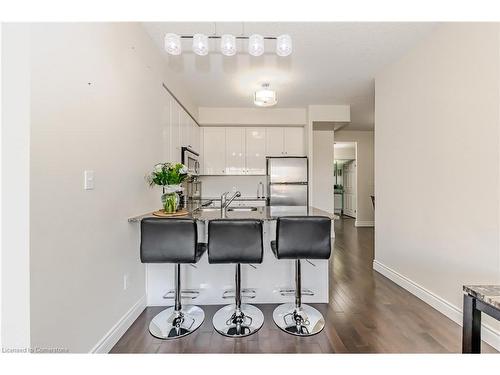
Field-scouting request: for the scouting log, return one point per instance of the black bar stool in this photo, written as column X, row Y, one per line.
column 172, row 241
column 298, row 237
column 236, row 241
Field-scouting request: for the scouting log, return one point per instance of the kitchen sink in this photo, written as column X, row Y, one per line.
column 208, row 209
column 242, row 209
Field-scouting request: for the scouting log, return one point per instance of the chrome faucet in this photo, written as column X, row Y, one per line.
column 224, row 202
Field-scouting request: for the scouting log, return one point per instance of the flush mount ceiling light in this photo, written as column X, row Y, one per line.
column 256, row 45
column 265, row 97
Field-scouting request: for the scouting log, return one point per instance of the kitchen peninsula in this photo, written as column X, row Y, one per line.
column 269, row 280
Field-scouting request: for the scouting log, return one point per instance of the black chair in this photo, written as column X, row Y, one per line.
column 307, row 237
column 172, row 241
column 236, row 241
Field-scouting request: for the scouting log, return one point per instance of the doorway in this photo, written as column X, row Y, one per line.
column 345, row 173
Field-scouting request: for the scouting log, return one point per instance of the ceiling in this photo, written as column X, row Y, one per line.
column 331, row 63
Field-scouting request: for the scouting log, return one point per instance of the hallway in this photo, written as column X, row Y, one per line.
column 367, row 314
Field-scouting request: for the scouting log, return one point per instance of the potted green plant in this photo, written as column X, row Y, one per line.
column 169, row 176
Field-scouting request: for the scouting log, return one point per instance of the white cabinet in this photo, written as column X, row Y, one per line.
column 287, row 141
column 255, row 139
column 235, row 151
column 214, row 151
column 175, row 132
column 293, row 141
column 165, row 125
column 194, row 136
column 178, row 129
column 274, row 142
column 184, row 128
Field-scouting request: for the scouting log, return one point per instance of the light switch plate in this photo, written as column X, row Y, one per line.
column 88, row 180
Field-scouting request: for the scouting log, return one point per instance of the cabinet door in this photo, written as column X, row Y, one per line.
column 194, row 136
column 214, row 151
column 185, row 128
column 175, row 133
column 165, row 126
column 255, row 151
column 293, row 141
column 274, row 142
column 235, row 151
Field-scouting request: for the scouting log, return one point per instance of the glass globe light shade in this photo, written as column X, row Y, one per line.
column 173, row 44
column 200, row 44
column 256, row 45
column 284, row 45
column 228, row 45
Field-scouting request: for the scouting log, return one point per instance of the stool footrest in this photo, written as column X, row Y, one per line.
column 185, row 293
column 291, row 292
column 245, row 293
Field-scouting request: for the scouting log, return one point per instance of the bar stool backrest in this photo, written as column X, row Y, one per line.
column 235, row 241
column 168, row 240
column 303, row 237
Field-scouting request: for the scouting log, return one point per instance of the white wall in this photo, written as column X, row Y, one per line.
column 322, row 174
column 434, row 108
column 15, row 280
column 252, row 116
column 321, row 118
column 344, row 151
column 365, row 172
column 97, row 103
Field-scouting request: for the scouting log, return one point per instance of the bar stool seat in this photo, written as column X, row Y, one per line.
column 238, row 242
column 173, row 241
column 301, row 237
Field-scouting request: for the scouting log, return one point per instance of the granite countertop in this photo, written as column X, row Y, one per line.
column 263, row 213
column 237, row 199
column 489, row 294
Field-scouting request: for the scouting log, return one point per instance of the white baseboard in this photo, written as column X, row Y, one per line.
column 109, row 340
column 488, row 334
column 360, row 223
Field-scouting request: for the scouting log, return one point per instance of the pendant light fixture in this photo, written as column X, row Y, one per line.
column 256, row 45
column 200, row 44
column 228, row 45
column 173, row 44
column 284, row 45
column 265, row 97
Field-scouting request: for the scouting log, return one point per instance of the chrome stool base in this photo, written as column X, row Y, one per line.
column 227, row 323
column 171, row 324
column 301, row 321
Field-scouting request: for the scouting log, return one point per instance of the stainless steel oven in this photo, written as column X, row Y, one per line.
column 191, row 160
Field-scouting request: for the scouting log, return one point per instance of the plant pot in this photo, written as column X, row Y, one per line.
column 170, row 198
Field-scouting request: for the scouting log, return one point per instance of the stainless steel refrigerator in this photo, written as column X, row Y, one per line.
column 287, row 181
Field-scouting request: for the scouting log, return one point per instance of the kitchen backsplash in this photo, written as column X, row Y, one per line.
column 214, row 186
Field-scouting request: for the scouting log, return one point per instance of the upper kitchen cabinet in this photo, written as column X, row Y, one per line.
column 274, row 142
column 214, row 151
column 255, row 142
column 293, row 140
column 175, row 131
column 185, row 128
column 287, row 141
column 235, row 151
column 194, row 136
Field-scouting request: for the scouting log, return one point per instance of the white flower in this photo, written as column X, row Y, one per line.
column 158, row 167
column 183, row 170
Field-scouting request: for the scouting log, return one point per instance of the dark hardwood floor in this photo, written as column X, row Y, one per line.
column 367, row 313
